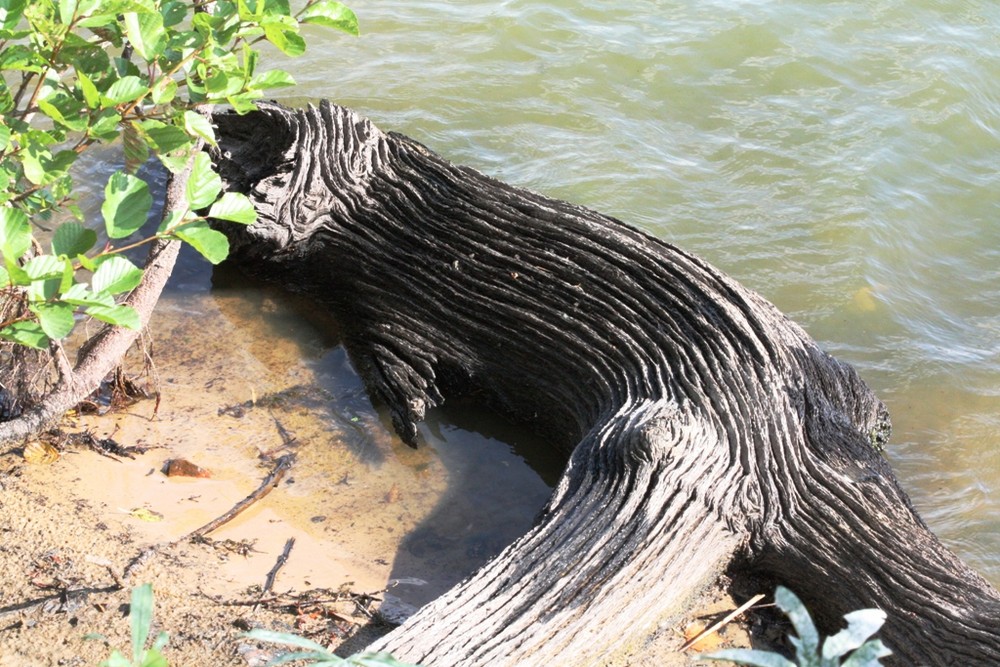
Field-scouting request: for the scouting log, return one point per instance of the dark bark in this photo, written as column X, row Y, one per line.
column 703, row 427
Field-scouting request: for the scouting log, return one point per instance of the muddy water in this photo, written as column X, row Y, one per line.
column 365, row 509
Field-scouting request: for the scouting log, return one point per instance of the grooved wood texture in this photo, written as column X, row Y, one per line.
column 701, row 425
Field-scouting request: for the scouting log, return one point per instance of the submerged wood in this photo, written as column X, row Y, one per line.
column 703, row 428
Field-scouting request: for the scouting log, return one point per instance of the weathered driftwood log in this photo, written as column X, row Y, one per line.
column 703, row 426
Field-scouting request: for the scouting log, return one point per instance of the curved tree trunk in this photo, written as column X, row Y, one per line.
column 705, row 428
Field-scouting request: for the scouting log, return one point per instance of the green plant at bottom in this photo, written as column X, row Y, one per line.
column 854, row 639
column 140, row 618
column 317, row 655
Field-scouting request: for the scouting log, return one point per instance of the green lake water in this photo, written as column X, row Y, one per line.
column 839, row 157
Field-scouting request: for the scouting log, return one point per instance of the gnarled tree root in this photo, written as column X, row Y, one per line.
column 703, row 425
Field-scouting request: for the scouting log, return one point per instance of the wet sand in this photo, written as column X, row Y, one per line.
column 244, row 378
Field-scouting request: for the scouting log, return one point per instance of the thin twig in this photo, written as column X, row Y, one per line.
column 715, row 626
column 271, row 481
column 280, row 563
column 63, row 595
column 141, row 558
column 287, row 439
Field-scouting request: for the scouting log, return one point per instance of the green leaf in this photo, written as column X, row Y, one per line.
column 87, row 263
column 153, row 658
column 4, row 277
column 116, row 659
column 6, row 99
column 197, row 125
column 161, row 641
column 116, row 275
column 277, row 8
column 10, row 12
column 56, row 319
column 204, row 184
column 90, row 94
column 861, row 625
column 164, row 91
column 285, row 638
column 807, row 642
column 26, row 333
column 176, row 161
column 20, row 57
column 146, row 34
column 44, row 266
column 234, row 207
column 67, row 11
column 164, row 138
column 125, row 67
column 752, row 657
column 186, row 43
column 15, row 232
column 332, row 15
column 250, row 10
column 170, row 220
column 217, row 82
column 312, row 658
column 867, row 655
column 125, row 89
column 72, row 238
column 46, row 272
column 250, row 58
column 41, row 167
column 213, row 245
column 122, row 316
column 285, row 37
column 173, row 12
column 126, row 204
column 65, row 110
column 68, row 275
column 141, row 617
column 33, row 157
column 274, row 78
column 244, row 103
column 4, row 137
column 83, row 55
column 104, row 125
column 88, row 7
column 15, row 274
column 79, row 295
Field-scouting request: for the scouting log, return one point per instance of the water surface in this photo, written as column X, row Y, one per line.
column 839, row 157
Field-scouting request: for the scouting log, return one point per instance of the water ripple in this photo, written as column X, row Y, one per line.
column 840, row 157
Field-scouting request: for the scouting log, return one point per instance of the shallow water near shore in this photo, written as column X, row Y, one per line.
column 269, row 379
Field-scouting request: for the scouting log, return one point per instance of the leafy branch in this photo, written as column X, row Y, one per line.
column 91, row 72
column 851, row 647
